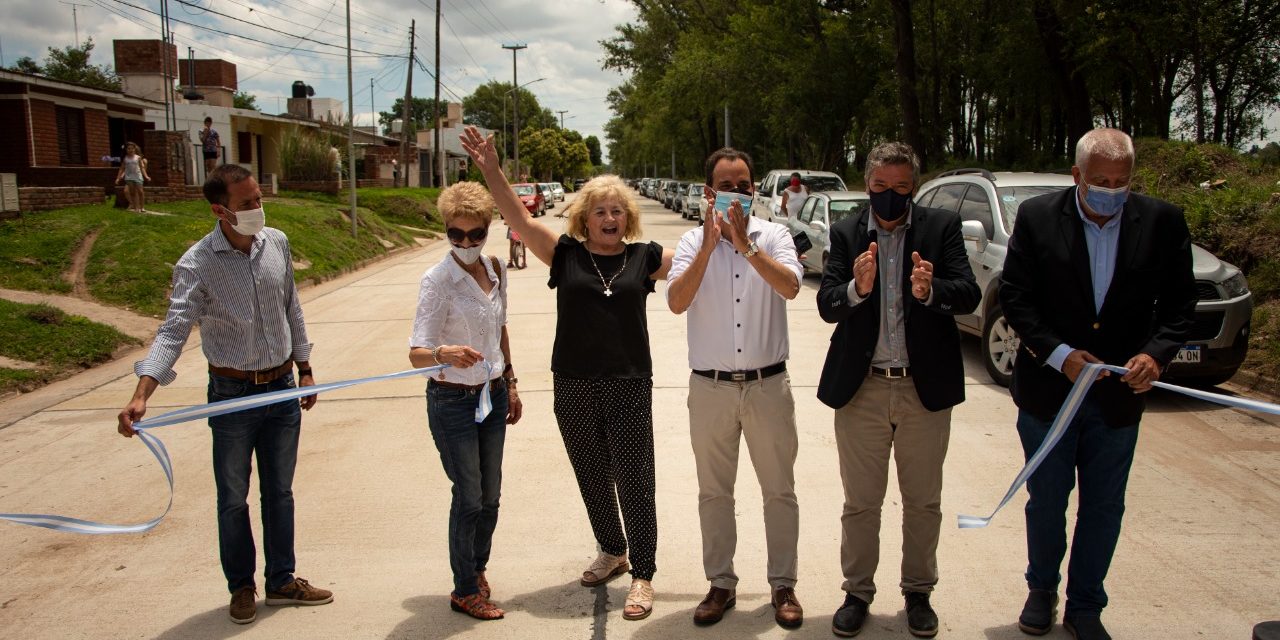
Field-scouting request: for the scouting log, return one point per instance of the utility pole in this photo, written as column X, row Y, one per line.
column 726, row 124
column 404, row 118
column 351, row 130
column 515, row 48
column 562, row 112
column 75, row 20
column 435, row 108
column 673, row 161
column 373, row 110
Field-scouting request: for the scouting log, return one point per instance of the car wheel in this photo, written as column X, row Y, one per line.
column 999, row 347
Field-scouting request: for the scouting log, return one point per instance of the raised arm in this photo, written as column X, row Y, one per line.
column 538, row 237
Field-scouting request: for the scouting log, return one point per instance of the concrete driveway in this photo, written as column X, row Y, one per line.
column 1198, row 557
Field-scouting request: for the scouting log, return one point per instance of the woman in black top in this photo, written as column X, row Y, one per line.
column 601, row 364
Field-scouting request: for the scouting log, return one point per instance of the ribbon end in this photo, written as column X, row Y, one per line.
column 972, row 522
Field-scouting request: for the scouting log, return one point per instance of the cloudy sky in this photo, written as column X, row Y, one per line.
column 309, row 40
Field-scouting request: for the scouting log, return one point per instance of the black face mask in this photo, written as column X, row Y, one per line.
column 889, row 205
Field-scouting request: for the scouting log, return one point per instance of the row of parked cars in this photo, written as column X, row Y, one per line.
column 987, row 204
column 537, row 197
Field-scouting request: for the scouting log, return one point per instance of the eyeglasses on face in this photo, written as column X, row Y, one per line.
column 474, row 235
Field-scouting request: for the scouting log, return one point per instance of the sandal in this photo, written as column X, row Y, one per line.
column 476, row 606
column 639, row 600
column 605, row 567
column 483, row 584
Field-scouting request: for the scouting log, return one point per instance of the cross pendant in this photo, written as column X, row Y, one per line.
column 608, row 292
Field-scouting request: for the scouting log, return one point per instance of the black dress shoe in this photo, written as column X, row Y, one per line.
column 922, row 622
column 1085, row 627
column 850, row 617
column 1038, row 613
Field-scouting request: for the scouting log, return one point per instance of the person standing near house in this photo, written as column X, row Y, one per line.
column 133, row 171
column 211, row 144
column 237, row 284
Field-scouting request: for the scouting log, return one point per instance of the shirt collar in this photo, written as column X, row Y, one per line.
column 221, row 244
column 1109, row 224
column 458, row 274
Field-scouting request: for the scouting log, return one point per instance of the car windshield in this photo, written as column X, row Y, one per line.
column 524, row 190
column 823, row 183
column 841, row 209
column 1012, row 197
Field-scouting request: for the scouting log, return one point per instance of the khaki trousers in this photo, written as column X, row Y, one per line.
column 887, row 415
column 721, row 414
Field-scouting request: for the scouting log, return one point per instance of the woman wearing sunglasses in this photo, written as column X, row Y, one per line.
column 603, row 372
column 461, row 321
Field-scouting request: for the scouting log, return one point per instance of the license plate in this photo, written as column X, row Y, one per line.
column 1188, row 354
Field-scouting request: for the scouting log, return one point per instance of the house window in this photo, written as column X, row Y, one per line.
column 70, row 136
column 244, row 147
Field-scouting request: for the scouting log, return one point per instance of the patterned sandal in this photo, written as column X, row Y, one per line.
column 639, row 600
column 476, row 606
column 483, row 584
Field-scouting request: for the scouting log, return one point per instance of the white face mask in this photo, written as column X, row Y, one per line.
column 470, row 254
column 249, row 223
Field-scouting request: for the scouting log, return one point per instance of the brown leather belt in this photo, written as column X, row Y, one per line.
column 262, row 376
column 466, row 387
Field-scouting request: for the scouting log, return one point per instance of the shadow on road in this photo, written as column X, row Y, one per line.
column 215, row 625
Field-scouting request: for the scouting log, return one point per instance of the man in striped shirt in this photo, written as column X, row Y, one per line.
column 237, row 284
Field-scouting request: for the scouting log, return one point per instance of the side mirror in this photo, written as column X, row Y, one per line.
column 972, row 230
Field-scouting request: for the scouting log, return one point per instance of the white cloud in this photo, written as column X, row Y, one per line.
column 562, row 37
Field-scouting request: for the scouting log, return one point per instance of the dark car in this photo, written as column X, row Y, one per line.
column 578, row 182
column 532, row 198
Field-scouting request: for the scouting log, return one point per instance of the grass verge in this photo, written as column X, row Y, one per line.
column 59, row 342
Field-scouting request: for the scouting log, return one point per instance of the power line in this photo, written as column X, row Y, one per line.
column 259, row 13
column 273, row 30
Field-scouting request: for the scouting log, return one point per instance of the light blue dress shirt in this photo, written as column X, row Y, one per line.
column 1103, row 243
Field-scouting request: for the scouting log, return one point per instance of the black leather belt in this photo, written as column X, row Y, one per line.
column 743, row 376
column 466, row 387
column 891, row 372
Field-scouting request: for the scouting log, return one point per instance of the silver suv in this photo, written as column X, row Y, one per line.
column 988, row 205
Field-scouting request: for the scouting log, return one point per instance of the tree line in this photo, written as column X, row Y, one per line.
column 1000, row 83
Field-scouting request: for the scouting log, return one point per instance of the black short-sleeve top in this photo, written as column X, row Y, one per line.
column 598, row 335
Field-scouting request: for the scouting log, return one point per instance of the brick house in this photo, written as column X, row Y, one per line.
column 56, row 133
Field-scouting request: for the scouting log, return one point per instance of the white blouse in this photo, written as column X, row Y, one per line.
column 454, row 310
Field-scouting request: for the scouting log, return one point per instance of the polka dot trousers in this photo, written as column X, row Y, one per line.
column 607, row 426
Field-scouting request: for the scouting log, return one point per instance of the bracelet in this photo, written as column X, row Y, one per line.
column 435, row 354
column 510, row 381
column 304, row 372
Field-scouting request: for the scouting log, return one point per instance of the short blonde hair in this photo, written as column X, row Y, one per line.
column 595, row 190
column 466, row 200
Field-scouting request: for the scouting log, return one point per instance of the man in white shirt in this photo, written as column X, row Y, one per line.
column 734, row 278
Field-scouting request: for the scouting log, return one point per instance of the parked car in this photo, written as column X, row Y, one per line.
column 767, row 202
column 662, row 196
column 532, row 198
column 646, row 187
column 988, row 206
column 548, row 194
column 558, row 190
column 578, row 182
column 693, row 202
column 820, row 211
column 675, row 191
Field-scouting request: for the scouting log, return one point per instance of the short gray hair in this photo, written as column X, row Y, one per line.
column 1104, row 142
column 888, row 153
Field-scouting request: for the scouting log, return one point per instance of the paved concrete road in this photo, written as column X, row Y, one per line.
column 1198, row 557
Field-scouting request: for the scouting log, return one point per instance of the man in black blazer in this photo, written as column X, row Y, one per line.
column 1093, row 274
column 896, row 276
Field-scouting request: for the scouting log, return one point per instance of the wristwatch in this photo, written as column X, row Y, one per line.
column 752, row 249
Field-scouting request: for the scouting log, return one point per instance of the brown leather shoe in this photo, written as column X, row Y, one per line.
column 244, row 609
column 712, row 607
column 786, row 608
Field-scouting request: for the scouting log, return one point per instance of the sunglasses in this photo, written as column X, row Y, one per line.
column 474, row 235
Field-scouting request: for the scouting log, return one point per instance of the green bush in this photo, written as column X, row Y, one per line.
column 305, row 156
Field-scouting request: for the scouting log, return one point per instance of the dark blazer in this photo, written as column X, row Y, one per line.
column 933, row 342
column 1047, row 297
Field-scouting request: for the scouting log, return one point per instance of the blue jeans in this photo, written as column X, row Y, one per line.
column 272, row 433
column 1101, row 455
column 472, row 457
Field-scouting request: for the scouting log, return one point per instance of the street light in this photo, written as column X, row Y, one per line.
column 510, row 91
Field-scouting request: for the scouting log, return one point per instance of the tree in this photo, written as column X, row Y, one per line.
column 245, row 100
column 419, row 115
column 71, row 64
column 593, row 146
column 490, row 107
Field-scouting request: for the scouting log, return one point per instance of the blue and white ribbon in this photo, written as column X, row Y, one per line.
column 1068, row 413
column 76, row 525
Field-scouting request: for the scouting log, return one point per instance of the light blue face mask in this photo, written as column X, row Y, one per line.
column 1106, row 202
column 724, row 198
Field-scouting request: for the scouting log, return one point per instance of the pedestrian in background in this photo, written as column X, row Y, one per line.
column 734, row 278
column 1094, row 274
column 236, row 283
column 601, row 365
column 133, row 171
column 896, row 278
column 461, row 321
column 793, row 196
column 211, row 145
